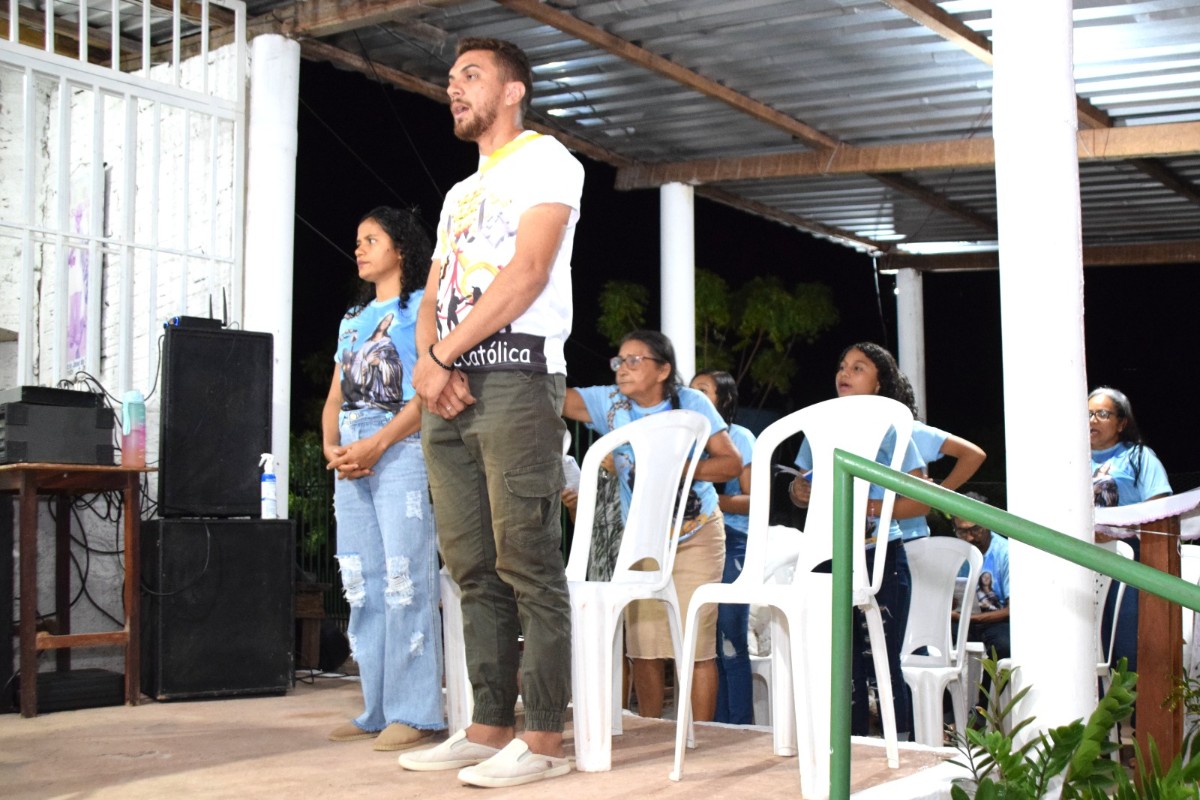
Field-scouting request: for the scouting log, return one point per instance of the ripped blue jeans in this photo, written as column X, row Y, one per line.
column 387, row 553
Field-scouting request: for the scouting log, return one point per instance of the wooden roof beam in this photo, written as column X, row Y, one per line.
column 955, row 31
column 319, row 51
column 1140, row 142
column 318, row 18
column 597, row 37
column 1096, row 255
column 792, row 220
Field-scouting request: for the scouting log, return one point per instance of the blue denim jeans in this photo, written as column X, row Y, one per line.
column 496, row 473
column 387, row 552
column 735, row 697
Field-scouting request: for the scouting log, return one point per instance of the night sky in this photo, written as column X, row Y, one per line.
column 363, row 145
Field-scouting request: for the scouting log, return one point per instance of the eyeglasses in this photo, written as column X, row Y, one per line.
column 1102, row 414
column 969, row 532
column 631, row 361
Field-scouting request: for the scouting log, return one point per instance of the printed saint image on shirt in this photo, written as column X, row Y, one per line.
column 372, row 376
column 986, row 595
column 1104, row 488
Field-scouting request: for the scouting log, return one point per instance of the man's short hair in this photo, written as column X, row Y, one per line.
column 514, row 64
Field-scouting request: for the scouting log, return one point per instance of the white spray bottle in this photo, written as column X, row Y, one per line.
column 269, row 508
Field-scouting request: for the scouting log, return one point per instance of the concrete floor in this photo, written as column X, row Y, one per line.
column 277, row 747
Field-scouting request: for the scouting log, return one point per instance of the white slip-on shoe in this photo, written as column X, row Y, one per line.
column 454, row 753
column 514, row 765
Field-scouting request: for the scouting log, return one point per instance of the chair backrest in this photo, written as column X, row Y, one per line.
column 859, row 425
column 1104, row 657
column 935, row 563
column 666, row 447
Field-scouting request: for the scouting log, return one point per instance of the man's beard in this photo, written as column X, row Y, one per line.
column 474, row 126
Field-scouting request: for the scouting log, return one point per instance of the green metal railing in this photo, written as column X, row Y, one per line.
column 846, row 467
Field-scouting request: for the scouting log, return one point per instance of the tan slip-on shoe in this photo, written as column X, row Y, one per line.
column 399, row 736
column 349, row 732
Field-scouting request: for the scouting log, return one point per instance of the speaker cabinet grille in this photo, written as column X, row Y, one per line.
column 216, row 421
column 217, row 615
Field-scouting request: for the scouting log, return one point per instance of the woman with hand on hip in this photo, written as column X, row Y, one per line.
column 867, row 368
column 647, row 383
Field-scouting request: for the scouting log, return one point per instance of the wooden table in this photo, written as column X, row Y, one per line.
column 63, row 482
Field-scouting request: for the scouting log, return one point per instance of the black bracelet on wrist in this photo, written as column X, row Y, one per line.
column 438, row 362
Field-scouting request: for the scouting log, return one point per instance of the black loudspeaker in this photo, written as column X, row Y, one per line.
column 217, row 617
column 8, row 697
column 216, row 421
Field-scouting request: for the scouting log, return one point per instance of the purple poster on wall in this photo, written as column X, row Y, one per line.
column 77, row 294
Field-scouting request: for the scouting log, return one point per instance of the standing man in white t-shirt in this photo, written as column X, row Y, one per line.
column 491, row 374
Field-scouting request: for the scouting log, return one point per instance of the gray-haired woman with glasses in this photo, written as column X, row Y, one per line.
column 647, row 382
column 1124, row 471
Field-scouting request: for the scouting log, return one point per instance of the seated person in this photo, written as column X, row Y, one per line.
column 989, row 614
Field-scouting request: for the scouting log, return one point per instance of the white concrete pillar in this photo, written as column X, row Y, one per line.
column 677, row 293
column 910, row 330
column 270, row 209
column 1045, row 385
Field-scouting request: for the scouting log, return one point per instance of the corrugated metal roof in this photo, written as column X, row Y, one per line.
column 659, row 83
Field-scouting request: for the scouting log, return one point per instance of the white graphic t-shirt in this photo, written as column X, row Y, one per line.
column 477, row 237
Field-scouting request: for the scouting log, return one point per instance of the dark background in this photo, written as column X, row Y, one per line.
column 362, row 144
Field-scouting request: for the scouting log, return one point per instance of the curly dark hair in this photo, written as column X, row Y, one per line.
column 891, row 383
column 412, row 244
column 514, row 64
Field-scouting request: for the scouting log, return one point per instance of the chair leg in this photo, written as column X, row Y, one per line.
column 927, row 691
column 460, row 699
column 783, row 687
column 883, row 683
column 592, row 634
column 811, row 643
column 685, row 735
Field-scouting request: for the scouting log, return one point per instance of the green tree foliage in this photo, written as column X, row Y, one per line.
column 750, row 331
column 622, row 309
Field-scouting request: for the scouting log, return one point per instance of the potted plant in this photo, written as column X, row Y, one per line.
column 1070, row 761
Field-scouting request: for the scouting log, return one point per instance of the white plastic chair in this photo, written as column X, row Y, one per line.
column 935, row 563
column 1103, row 656
column 801, row 637
column 665, row 448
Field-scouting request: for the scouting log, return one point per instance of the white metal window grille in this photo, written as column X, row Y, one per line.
column 122, row 180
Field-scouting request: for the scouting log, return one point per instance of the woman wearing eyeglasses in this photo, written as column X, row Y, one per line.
column 647, row 382
column 1124, row 471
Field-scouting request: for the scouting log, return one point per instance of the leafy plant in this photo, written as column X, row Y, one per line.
column 1077, row 751
column 749, row 332
column 310, row 492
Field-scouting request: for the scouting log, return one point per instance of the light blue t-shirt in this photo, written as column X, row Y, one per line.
column 912, row 460
column 609, row 409
column 1128, row 474
column 928, row 441
column 376, row 354
column 743, row 440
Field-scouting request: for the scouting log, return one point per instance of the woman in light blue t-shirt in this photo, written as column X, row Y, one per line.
column 647, row 383
column 735, row 695
column 1124, row 471
column 867, row 368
